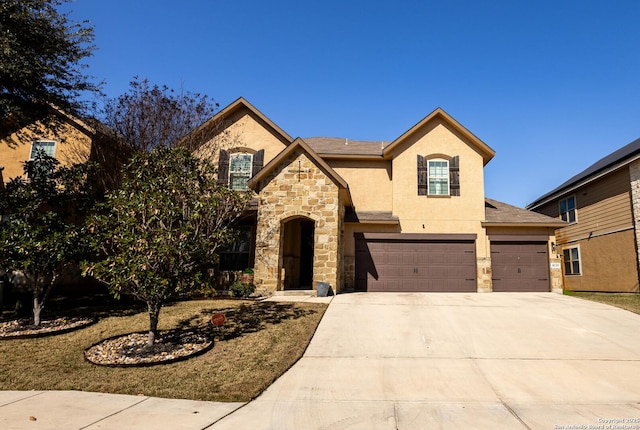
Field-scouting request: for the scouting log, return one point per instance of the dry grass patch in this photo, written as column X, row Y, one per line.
column 258, row 342
column 628, row 301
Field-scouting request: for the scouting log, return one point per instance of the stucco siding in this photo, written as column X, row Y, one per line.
column 74, row 147
column 430, row 214
column 369, row 183
column 608, row 264
column 244, row 130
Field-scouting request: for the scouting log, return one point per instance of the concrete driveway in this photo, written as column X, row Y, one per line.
column 454, row 361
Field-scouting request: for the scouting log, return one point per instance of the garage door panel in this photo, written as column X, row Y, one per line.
column 415, row 266
column 520, row 266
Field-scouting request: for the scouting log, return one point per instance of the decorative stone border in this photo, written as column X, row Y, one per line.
column 130, row 350
column 22, row 329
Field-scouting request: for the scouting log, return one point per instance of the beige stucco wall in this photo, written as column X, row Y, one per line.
column 72, row 146
column 369, row 183
column 608, row 263
column 244, row 130
column 423, row 214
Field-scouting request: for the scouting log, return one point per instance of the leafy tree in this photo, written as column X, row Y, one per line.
column 40, row 222
column 164, row 225
column 41, row 63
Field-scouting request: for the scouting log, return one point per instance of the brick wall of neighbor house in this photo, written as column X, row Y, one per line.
column 299, row 190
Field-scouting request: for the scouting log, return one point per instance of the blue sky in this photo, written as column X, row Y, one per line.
column 551, row 86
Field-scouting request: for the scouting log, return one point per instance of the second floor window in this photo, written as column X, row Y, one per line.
column 48, row 146
column 568, row 209
column 239, row 170
column 438, row 171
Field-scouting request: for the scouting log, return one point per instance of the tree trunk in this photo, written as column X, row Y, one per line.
column 154, row 314
column 37, row 309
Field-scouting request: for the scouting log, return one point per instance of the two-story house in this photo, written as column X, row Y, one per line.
column 406, row 215
column 601, row 206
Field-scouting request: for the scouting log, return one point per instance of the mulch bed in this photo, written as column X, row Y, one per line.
column 132, row 350
column 24, row 328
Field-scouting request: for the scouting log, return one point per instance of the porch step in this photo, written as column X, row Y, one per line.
column 295, row 293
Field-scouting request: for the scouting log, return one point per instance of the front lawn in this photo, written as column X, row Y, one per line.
column 258, row 342
column 628, row 301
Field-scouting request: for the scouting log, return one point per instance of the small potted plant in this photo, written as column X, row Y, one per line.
column 247, row 276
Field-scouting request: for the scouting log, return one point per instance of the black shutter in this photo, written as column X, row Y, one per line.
column 454, row 176
column 223, row 168
column 258, row 161
column 422, row 176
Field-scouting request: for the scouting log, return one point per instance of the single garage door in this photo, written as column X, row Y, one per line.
column 520, row 266
column 415, row 263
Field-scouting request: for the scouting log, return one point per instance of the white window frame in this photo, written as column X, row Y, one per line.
column 571, row 261
column 444, row 178
column 567, row 213
column 39, row 142
column 245, row 173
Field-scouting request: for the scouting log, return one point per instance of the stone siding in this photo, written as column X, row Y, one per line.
column 634, row 174
column 298, row 189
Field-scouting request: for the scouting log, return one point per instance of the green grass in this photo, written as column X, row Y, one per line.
column 628, row 301
column 258, row 342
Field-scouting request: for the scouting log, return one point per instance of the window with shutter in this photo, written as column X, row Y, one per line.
column 454, row 176
column 258, row 162
column 422, row 176
column 223, row 168
column 438, row 173
column 240, row 168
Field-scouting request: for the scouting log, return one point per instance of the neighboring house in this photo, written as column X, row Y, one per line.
column 601, row 205
column 407, row 215
column 71, row 141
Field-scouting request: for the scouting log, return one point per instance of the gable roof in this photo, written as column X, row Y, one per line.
column 484, row 149
column 613, row 161
column 315, row 158
column 505, row 215
column 236, row 106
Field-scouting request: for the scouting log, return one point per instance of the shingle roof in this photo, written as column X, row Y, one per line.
column 342, row 146
column 385, row 217
column 502, row 213
column 615, row 157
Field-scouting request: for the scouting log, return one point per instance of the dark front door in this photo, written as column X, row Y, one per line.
column 307, row 230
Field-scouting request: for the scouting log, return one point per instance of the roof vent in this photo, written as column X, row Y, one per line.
column 346, row 141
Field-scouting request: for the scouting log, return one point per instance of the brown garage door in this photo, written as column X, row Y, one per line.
column 520, row 266
column 415, row 263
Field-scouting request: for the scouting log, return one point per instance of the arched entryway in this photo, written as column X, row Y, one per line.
column 297, row 250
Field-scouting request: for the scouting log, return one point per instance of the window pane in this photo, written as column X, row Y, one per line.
column 567, row 254
column 47, row 146
column 576, row 268
column 438, row 177
column 567, row 267
column 574, row 254
column 238, row 181
column 571, row 216
column 240, row 163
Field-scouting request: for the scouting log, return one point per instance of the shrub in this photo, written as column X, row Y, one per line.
column 238, row 289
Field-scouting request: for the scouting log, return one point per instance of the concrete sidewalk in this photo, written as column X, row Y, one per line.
column 410, row 361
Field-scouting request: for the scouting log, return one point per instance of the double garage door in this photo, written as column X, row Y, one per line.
column 415, row 263
column 446, row 263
